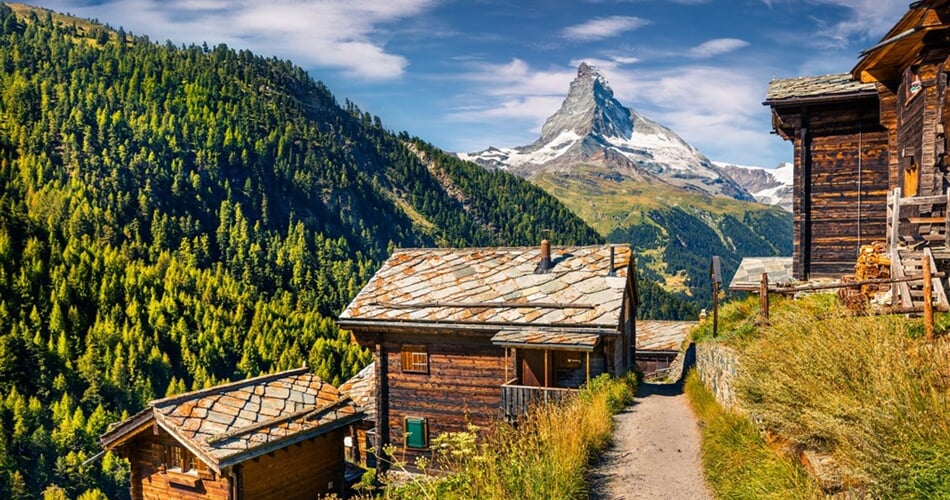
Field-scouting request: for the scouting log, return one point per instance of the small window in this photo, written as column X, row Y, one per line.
column 415, row 359
column 416, row 433
column 178, row 459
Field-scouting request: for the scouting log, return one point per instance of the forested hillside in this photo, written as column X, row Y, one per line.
column 173, row 217
column 682, row 240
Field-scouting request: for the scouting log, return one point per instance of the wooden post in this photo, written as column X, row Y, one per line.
column 764, row 300
column 588, row 367
column 506, row 366
column 715, row 273
column 715, row 309
column 928, row 299
column 547, row 371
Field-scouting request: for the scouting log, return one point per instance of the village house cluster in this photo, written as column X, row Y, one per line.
column 474, row 335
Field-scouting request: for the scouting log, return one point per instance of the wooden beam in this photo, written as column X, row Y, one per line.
column 764, row 301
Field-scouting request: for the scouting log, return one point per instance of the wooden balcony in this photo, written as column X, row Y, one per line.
column 517, row 400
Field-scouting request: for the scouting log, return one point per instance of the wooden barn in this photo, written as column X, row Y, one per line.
column 892, row 140
column 840, row 169
column 473, row 335
column 278, row 436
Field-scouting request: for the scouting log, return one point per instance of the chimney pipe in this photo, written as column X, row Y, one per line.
column 611, row 271
column 545, row 263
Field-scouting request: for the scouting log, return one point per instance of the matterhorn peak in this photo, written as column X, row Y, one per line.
column 592, row 126
column 590, row 109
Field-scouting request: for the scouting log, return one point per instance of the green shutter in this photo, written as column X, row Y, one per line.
column 417, row 432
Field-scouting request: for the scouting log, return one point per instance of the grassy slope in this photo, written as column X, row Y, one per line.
column 606, row 203
column 869, row 391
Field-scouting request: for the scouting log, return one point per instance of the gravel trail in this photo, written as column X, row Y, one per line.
column 655, row 453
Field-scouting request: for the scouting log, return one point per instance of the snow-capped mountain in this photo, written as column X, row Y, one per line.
column 593, row 127
column 771, row 186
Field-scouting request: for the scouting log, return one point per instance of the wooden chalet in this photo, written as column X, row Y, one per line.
column 840, row 170
column 278, row 436
column 473, row 335
column 871, row 154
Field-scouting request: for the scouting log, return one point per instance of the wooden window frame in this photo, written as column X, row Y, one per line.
column 406, row 434
column 414, row 359
column 177, row 459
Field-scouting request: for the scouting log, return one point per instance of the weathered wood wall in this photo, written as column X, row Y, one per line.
column 463, row 385
column 150, row 481
column 841, row 183
column 301, row 471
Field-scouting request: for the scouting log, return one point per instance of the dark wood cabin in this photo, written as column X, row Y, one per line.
column 278, row 436
column 871, row 155
column 473, row 335
column 910, row 69
column 840, row 169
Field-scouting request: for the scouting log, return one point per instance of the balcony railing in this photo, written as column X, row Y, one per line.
column 517, row 400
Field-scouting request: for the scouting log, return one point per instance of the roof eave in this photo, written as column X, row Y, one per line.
column 284, row 442
column 375, row 325
column 821, row 99
column 126, row 430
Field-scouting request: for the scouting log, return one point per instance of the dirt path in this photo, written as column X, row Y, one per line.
column 655, row 453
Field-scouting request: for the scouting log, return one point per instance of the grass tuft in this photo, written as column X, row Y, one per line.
column 737, row 461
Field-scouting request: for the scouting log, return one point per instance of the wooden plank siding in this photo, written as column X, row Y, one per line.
column 302, row 471
column 841, row 182
column 463, row 385
column 150, row 481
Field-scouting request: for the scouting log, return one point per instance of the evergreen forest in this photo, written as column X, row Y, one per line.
column 172, row 217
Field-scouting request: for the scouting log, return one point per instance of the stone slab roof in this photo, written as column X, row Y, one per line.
column 361, row 388
column 496, row 286
column 662, row 335
column 749, row 274
column 811, row 87
column 547, row 340
column 231, row 423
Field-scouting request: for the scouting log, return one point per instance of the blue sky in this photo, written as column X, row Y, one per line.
column 466, row 75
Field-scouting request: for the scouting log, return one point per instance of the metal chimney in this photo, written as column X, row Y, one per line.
column 545, row 263
column 611, row 271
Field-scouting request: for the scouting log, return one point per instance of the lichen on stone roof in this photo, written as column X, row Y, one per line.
column 840, row 84
column 497, row 285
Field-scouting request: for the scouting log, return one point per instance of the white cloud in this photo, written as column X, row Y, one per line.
column 603, row 27
column 331, row 33
column 718, row 46
column 867, row 20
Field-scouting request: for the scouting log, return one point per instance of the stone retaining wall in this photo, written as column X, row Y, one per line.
column 717, row 366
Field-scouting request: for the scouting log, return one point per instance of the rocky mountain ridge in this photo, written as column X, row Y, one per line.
column 770, row 186
column 592, row 127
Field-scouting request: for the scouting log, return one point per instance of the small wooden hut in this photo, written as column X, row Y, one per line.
column 278, row 436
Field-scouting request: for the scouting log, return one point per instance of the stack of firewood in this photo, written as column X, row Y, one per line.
column 873, row 264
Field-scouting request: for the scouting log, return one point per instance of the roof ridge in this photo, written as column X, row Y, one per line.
column 225, row 387
column 525, row 247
